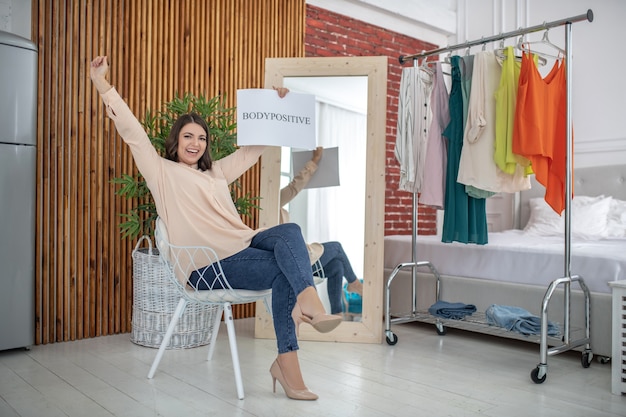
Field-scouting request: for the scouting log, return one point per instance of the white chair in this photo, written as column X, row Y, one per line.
column 181, row 261
column 318, row 273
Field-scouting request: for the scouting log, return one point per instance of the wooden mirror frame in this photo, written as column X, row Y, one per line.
column 370, row 328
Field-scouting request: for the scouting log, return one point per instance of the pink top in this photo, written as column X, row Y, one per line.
column 433, row 188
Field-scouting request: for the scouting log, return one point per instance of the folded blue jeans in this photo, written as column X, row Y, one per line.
column 448, row 310
column 518, row 320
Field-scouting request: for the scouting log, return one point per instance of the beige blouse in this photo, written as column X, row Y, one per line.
column 196, row 206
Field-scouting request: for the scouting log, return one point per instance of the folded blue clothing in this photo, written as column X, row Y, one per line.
column 448, row 310
column 518, row 320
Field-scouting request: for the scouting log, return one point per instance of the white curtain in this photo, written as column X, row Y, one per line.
column 338, row 213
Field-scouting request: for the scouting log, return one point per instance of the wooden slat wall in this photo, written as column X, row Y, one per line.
column 156, row 48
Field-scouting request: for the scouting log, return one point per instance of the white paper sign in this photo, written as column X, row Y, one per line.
column 263, row 118
column 327, row 174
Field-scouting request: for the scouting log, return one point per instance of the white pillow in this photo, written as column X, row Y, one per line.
column 589, row 218
column 616, row 224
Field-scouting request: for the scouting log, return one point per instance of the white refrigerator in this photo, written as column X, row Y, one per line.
column 18, row 163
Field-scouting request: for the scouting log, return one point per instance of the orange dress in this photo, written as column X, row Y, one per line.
column 539, row 130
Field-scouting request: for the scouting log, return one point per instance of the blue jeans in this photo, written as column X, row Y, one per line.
column 276, row 259
column 336, row 266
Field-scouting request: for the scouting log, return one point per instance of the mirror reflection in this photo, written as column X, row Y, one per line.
column 333, row 215
column 336, row 72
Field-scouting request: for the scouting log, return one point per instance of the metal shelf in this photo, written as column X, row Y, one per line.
column 477, row 323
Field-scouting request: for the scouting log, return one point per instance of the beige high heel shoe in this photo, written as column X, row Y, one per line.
column 294, row 394
column 322, row 322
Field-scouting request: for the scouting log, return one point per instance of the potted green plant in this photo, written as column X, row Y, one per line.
column 139, row 221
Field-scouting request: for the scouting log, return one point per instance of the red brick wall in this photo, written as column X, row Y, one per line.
column 332, row 34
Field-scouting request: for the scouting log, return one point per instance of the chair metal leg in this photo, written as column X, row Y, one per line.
column 268, row 304
column 228, row 319
column 216, row 328
column 168, row 335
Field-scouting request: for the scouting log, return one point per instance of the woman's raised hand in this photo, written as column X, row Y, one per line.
column 317, row 154
column 99, row 67
column 282, row 91
column 98, row 71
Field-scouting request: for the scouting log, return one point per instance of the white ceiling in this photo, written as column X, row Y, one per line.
column 429, row 20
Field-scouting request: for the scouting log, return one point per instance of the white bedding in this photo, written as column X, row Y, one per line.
column 514, row 256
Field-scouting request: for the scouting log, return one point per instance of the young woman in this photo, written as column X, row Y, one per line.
column 191, row 195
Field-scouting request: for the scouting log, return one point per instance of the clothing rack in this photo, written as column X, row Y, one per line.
column 501, row 36
column 538, row 374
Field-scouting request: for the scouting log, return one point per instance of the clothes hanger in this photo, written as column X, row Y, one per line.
column 430, row 65
column 546, row 40
column 425, row 64
column 525, row 47
column 499, row 52
column 447, row 59
column 541, row 60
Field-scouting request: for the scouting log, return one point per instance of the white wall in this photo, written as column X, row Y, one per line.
column 598, row 89
column 15, row 16
column 599, row 84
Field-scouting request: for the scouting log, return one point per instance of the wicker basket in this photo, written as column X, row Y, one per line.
column 154, row 300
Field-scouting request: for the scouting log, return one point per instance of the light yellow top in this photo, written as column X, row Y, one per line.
column 506, row 96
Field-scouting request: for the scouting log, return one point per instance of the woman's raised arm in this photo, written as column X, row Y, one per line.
column 98, row 71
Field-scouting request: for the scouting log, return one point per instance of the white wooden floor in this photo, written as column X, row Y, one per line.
column 459, row 374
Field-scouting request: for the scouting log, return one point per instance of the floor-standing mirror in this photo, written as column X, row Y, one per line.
column 346, row 88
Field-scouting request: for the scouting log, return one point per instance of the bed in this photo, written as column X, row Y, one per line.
column 516, row 267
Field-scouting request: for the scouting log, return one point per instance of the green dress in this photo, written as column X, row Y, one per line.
column 464, row 218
